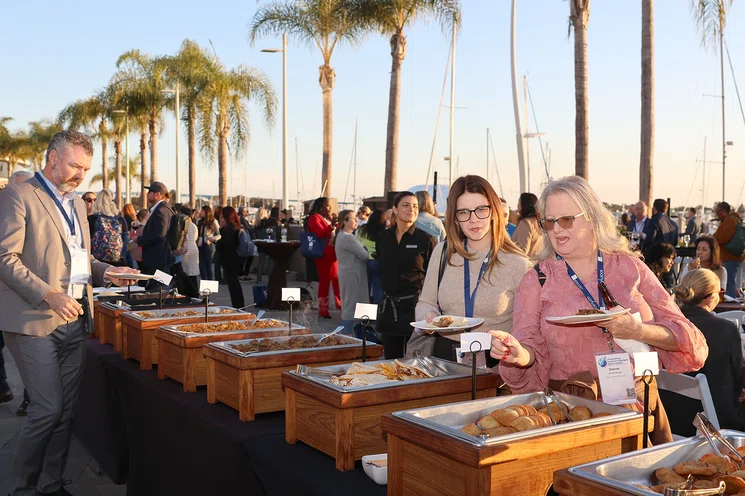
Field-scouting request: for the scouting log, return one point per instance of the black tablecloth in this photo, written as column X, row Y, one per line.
column 301, row 470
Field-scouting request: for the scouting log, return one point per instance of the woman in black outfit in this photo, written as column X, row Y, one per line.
column 699, row 293
column 227, row 246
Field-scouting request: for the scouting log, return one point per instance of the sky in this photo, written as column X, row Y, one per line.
column 68, row 51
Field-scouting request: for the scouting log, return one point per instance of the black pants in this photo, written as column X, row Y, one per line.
column 394, row 346
column 234, row 286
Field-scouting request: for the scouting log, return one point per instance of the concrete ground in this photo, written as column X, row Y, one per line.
column 82, row 470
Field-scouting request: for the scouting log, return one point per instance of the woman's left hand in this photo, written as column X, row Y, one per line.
column 623, row 327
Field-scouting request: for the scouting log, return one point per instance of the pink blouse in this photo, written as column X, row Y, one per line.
column 561, row 351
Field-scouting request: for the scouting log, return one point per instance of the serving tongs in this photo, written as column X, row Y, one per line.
column 304, row 370
column 259, row 314
column 686, row 489
column 335, row 331
column 548, row 394
column 429, row 366
column 705, row 427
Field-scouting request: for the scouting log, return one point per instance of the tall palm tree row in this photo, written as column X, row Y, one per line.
column 579, row 17
column 391, row 18
column 323, row 24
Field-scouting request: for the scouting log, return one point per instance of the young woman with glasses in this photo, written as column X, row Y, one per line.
column 585, row 254
column 483, row 266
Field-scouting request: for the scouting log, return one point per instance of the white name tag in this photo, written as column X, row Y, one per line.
column 79, row 274
column 412, row 246
column 616, row 378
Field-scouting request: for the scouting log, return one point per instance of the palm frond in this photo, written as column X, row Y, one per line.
column 710, row 17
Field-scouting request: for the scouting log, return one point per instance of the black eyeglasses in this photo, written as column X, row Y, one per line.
column 89, row 200
column 464, row 214
column 566, row 222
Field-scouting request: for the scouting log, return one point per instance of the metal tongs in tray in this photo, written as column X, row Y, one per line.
column 308, row 371
column 685, row 489
column 705, row 427
column 548, row 394
column 429, row 365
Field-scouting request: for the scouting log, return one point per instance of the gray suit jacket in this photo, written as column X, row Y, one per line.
column 35, row 258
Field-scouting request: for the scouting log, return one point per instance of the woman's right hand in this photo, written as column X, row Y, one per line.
column 506, row 348
column 428, row 317
column 694, row 264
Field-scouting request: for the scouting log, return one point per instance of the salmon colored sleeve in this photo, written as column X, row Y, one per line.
column 526, row 328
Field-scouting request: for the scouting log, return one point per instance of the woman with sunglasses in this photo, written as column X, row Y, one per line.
column 482, row 269
column 584, row 255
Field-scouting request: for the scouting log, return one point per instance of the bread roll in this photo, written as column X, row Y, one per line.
column 525, row 423
column 723, row 465
column 580, row 413
column 544, row 419
column 505, row 416
column 500, row 431
column 472, row 429
column 666, row 474
column 734, row 484
column 488, row 422
column 601, row 414
column 695, row 467
column 555, row 412
column 705, row 484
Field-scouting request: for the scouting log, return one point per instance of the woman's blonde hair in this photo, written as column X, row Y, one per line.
column 607, row 237
column 341, row 223
column 696, row 286
column 104, row 204
column 425, row 203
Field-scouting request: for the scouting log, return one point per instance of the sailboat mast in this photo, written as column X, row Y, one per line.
column 487, row 155
column 724, row 139
column 452, row 107
column 703, row 183
column 515, row 98
column 354, row 181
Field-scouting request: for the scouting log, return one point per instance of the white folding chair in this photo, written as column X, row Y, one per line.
column 733, row 314
column 691, row 387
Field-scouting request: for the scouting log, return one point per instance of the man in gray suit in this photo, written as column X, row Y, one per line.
column 45, row 275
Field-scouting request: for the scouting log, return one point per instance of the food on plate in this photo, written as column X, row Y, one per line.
column 443, row 321
column 294, row 343
column 188, row 313
column 580, row 413
column 589, row 311
column 363, row 374
column 695, row 467
column 666, row 475
column 472, row 429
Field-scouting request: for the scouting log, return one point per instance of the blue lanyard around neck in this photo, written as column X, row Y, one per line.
column 470, row 297
column 70, row 221
column 600, row 303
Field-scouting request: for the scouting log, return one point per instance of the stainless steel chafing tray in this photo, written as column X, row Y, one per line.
column 638, row 467
column 215, row 312
column 285, row 326
column 349, row 342
column 446, row 370
column 449, row 419
column 151, row 303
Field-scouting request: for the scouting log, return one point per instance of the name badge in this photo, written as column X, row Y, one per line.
column 412, row 246
column 616, row 378
column 79, row 274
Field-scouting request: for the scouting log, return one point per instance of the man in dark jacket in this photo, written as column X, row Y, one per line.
column 156, row 252
column 660, row 228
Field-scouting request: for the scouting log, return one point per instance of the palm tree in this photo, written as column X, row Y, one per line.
column 191, row 67
column 224, row 122
column 143, row 79
column 320, row 23
column 579, row 17
column 40, row 134
column 391, row 17
column 711, row 17
column 646, row 160
column 13, row 144
column 133, row 174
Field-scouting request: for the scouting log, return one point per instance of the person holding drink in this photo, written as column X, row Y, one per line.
column 707, row 257
column 585, row 253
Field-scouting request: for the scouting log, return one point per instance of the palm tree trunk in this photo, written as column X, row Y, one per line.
column 398, row 53
column 190, row 126
column 580, row 16
column 222, row 163
column 153, row 149
column 118, row 176
column 326, row 80
column 104, row 158
column 646, row 160
column 143, row 170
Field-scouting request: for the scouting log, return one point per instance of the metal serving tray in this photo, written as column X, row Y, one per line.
column 149, row 303
column 351, row 342
column 164, row 314
column 449, row 419
column 637, row 467
column 285, row 326
column 447, row 370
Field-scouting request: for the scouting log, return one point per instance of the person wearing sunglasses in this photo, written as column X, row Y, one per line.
column 482, row 268
column 89, row 197
column 528, row 235
column 585, row 255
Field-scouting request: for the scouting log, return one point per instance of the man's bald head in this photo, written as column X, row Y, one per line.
column 640, row 210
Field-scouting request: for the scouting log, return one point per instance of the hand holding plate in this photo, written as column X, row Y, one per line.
column 623, row 326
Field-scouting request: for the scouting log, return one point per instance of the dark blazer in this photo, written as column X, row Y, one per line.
column 694, row 228
column 660, row 229
column 156, row 252
column 722, row 367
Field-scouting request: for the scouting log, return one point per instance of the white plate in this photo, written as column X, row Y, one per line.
column 587, row 319
column 133, row 277
column 470, row 323
column 375, row 472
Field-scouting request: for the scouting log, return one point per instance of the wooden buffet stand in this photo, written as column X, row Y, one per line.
column 253, row 384
column 181, row 357
column 423, row 461
column 569, row 484
column 347, row 425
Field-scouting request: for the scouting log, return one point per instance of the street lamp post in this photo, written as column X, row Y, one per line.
column 126, row 150
column 284, row 114
column 178, row 140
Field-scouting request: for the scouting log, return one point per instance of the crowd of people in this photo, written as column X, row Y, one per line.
column 555, row 254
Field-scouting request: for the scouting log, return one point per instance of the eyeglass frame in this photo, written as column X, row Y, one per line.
column 89, row 200
column 556, row 221
column 472, row 212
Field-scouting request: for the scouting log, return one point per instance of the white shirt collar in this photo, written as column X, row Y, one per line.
column 155, row 206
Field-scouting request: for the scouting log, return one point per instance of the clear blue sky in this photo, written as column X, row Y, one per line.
column 54, row 55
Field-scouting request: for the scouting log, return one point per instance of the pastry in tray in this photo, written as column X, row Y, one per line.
column 294, row 343
column 707, row 472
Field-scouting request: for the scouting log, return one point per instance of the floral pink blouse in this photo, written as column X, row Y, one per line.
column 561, row 351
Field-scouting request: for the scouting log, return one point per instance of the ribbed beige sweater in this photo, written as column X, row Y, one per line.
column 494, row 297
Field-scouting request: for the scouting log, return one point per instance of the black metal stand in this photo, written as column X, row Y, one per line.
column 647, row 380
column 206, row 294
column 160, row 296
column 473, row 365
column 290, row 301
column 129, row 293
column 365, row 321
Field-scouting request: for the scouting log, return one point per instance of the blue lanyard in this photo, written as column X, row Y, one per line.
column 70, row 221
column 600, row 303
column 468, row 296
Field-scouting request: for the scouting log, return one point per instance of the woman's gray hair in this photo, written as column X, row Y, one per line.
column 104, row 204
column 607, row 237
column 425, row 202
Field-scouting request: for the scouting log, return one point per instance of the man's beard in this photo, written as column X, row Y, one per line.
column 68, row 186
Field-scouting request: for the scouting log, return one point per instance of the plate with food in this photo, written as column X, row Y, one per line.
column 448, row 323
column 588, row 316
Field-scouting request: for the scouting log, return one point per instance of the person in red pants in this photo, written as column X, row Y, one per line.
column 321, row 224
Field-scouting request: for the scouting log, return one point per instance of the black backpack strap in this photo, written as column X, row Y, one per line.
column 443, row 263
column 541, row 275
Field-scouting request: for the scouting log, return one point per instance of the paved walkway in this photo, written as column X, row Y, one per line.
column 82, row 470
